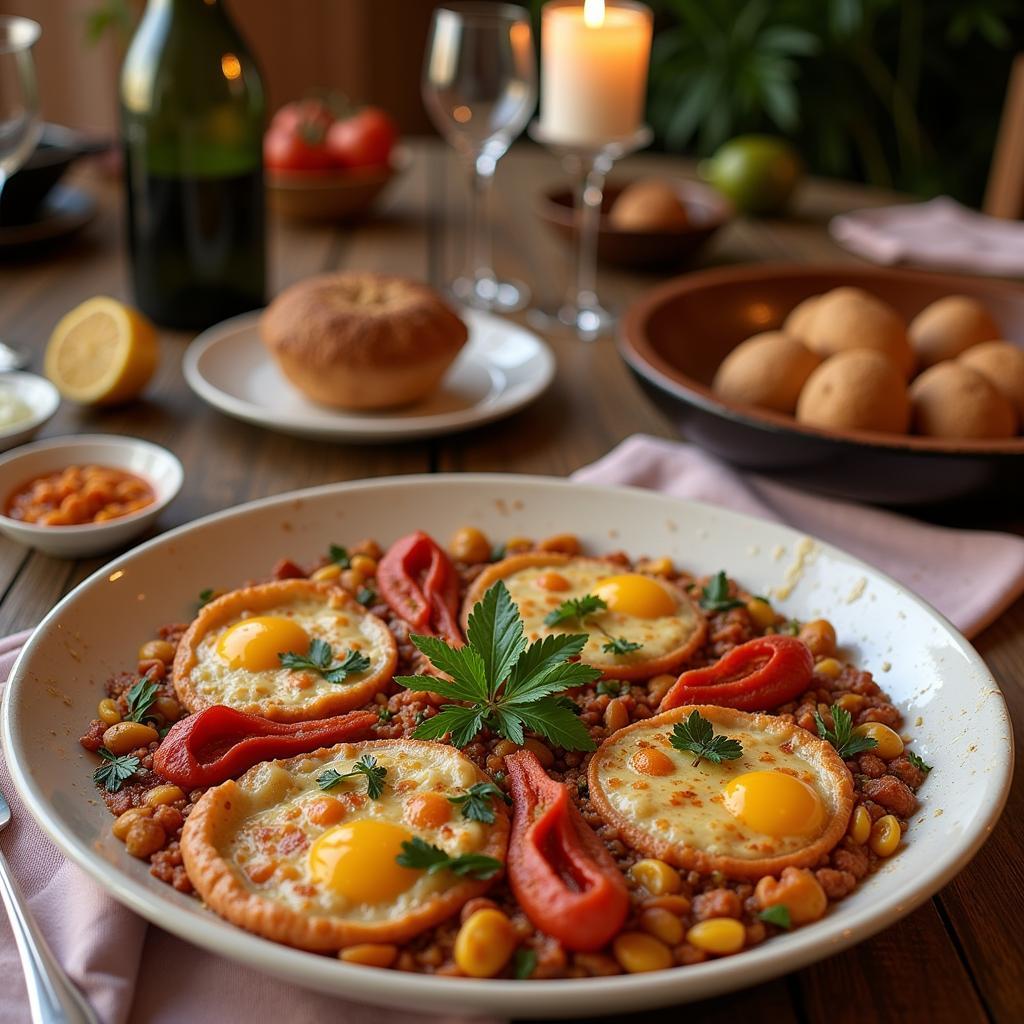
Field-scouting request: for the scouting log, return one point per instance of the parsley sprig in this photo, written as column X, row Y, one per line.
column 115, row 771
column 367, row 767
column 579, row 609
column 418, row 853
column 697, row 736
column 502, row 683
column 841, row 734
column 524, row 963
column 320, row 659
column 918, row 762
column 339, row 555
column 477, row 803
column 778, row 915
column 714, row 597
column 140, row 699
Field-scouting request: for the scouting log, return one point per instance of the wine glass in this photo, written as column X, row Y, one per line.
column 20, row 127
column 480, row 87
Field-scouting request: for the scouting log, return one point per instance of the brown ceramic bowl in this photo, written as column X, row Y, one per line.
column 330, row 195
column 707, row 208
column 676, row 335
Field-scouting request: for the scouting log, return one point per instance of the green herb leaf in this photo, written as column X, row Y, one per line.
column 320, row 659
column 791, row 627
column 502, row 683
column 477, row 803
column 367, row 596
column 417, row 853
column 715, row 595
column 577, row 608
column 384, row 714
column 777, row 915
column 205, row 596
column 524, row 964
column 497, row 552
column 610, row 687
column 339, row 555
column 841, row 734
column 918, row 761
column 115, row 771
column 697, row 736
column 140, row 699
column 620, row 645
column 367, row 767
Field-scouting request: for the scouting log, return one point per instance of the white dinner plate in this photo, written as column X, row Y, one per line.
column 952, row 707
column 501, row 368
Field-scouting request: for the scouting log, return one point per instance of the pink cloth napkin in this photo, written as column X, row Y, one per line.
column 940, row 234
column 971, row 576
column 131, row 971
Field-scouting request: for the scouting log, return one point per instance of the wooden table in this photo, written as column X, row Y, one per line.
column 952, row 960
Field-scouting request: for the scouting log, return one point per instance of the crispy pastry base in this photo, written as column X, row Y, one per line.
column 634, row 669
column 821, row 755
column 265, row 597
column 223, row 889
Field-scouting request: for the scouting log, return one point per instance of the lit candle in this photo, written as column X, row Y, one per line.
column 594, row 61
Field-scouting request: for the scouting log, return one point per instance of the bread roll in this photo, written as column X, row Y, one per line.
column 768, row 370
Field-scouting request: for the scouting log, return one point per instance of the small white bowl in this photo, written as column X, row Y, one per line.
column 154, row 464
column 39, row 395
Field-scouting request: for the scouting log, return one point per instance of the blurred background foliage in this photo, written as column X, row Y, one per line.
column 899, row 93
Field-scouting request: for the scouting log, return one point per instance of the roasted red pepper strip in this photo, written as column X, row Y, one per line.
column 560, row 872
column 420, row 584
column 219, row 743
column 756, row 676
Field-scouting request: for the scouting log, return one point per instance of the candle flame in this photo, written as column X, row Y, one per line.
column 593, row 13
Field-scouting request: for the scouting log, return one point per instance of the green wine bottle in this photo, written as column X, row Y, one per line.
column 193, row 110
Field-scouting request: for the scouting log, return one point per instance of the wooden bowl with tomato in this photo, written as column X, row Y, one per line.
column 328, row 163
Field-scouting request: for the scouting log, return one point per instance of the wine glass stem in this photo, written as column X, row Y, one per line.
column 480, row 268
column 589, row 196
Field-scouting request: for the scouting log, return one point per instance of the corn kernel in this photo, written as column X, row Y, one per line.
column 820, row 637
column 637, row 952
column 889, row 743
column 658, row 567
column 364, row 564
column 370, row 954
column 850, row 702
column 107, row 711
column 469, row 544
column 662, row 925
column 761, row 612
column 656, row 876
column 885, row 835
column 326, row 573
column 160, row 795
column 123, row 822
column 157, row 650
column 562, row 543
column 485, row 943
column 126, row 736
column 860, row 825
column 514, row 545
column 719, row 935
column 830, row 669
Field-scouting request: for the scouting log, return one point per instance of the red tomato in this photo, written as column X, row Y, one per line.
column 312, row 112
column 364, row 140
column 295, row 151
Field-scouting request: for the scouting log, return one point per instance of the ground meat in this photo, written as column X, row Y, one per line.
column 93, row 738
column 907, row 772
column 286, row 569
column 871, row 766
column 836, row 884
column 884, row 713
column 892, row 794
column 716, row 903
column 853, row 859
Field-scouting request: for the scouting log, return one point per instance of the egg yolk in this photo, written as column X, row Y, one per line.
column 636, row 595
column 357, row 861
column 254, row 644
column 775, row 804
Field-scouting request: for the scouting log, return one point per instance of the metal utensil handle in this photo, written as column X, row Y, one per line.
column 51, row 995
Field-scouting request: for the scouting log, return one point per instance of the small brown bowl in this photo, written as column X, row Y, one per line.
column 675, row 336
column 330, row 195
column 707, row 210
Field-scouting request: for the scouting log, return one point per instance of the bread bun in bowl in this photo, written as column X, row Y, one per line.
column 359, row 340
column 857, row 390
column 949, row 326
column 954, row 401
column 1002, row 364
column 767, row 370
column 651, row 204
column 798, row 323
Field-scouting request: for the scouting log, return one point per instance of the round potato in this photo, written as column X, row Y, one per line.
column 767, row 370
column 856, row 390
column 948, row 327
column 798, row 322
column 850, row 318
column 651, row 204
column 952, row 400
column 1002, row 364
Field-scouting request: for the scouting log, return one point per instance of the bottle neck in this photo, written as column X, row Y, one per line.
column 187, row 10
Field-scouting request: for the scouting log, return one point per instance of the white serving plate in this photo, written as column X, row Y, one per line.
column 953, row 708
column 501, row 368
column 38, row 394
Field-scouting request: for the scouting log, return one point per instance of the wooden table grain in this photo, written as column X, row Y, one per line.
column 955, row 959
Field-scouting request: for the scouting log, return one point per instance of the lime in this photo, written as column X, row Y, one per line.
column 757, row 172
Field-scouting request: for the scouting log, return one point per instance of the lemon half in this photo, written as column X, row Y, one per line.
column 101, row 353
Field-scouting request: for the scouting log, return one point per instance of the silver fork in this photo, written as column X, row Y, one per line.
column 51, row 995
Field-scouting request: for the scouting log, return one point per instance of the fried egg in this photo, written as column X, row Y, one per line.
column 641, row 610
column 280, row 856
column 785, row 801
column 231, row 654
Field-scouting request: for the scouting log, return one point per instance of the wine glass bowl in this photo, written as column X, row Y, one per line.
column 20, row 127
column 479, row 88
